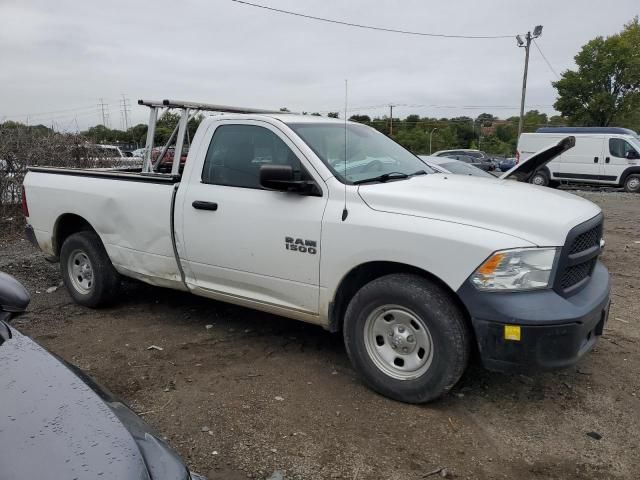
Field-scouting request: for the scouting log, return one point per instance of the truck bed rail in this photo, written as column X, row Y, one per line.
column 146, row 177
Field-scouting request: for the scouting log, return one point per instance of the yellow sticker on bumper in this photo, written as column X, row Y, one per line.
column 512, row 332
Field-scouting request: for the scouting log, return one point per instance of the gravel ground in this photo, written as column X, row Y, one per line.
column 241, row 394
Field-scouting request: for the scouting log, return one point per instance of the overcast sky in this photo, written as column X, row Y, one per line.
column 62, row 56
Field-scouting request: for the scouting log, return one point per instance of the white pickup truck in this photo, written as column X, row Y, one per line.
column 333, row 223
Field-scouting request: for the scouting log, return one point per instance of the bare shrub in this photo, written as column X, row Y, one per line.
column 22, row 146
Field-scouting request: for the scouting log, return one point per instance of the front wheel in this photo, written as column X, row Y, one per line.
column 406, row 338
column 540, row 178
column 87, row 271
column 632, row 184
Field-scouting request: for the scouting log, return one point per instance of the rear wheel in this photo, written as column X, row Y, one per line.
column 540, row 178
column 406, row 338
column 632, row 184
column 87, row 271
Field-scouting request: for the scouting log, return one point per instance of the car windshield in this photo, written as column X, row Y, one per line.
column 461, row 168
column 370, row 154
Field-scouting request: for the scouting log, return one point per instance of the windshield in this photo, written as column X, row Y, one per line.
column 370, row 154
column 465, row 169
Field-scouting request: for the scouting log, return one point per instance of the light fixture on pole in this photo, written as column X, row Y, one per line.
column 430, row 135
column 526, row 44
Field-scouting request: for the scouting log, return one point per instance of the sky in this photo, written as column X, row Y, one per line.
column 60, row 59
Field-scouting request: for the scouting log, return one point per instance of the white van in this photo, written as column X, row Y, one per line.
column 602, row 155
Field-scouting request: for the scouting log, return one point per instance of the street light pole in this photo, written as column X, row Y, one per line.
column 430, row 136
column 526, row 44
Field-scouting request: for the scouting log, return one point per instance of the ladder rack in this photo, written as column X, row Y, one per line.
column 186, row 108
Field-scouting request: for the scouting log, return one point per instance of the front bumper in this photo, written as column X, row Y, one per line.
column 555, row 331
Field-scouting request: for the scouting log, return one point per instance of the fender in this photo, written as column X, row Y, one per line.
column 629, row 171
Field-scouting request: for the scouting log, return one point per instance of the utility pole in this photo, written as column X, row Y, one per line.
column 526, row 44
column 390, row 120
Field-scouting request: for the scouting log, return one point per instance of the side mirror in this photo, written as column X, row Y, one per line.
column 632, row 155
column 281, row 178
column 14, row 298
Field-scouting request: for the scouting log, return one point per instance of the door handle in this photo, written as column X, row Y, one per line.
column 595, row 159
column 201, row 205
column 607, row 160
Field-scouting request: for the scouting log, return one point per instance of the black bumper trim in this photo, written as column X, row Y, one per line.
column 556, row 331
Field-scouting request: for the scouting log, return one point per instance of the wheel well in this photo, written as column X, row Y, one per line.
column 627, row 172
column 67, row 225
column 367, row 272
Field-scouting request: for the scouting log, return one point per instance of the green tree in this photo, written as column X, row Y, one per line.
column 333, row 115
column 360, row 118
column 605, row 88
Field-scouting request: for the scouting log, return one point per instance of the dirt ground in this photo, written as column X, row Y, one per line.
column 240, row 394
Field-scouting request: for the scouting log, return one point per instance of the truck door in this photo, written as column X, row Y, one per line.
column 245, row 242
column 584, row 162
column 616, row 158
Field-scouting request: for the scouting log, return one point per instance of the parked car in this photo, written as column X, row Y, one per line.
column 412, row 267
column 480, row 156
column 602, row 156
column 485, row 165
column 450, row 165
column 139, row 152
column 57, row 422
column 507, row 164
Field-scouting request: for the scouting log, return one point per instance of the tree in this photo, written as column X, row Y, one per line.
column 333, row 115
column 605, row 89
column 360, row 118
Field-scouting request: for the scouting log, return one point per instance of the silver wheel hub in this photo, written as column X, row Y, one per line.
column 80, row 271
column 538, row 180
column 398, row 342
column 634, row 183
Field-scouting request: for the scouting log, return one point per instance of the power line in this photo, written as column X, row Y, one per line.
column 545, row 59
column 370, row 27
column 43, row 114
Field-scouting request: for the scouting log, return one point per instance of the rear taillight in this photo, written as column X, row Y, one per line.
column 517, row 157
column 25, row 208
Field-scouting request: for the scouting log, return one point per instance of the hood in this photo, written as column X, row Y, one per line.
column 57, row 423
column 526, row 169
column 539, row 215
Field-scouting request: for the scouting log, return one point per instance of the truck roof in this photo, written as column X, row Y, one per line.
column 616, row 130
column 283, row 117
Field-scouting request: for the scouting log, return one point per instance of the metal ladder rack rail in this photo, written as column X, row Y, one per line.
column 185, row 107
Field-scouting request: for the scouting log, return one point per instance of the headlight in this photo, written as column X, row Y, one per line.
column 518, row 269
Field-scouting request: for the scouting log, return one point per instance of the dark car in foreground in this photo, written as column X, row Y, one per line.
column 57, row 423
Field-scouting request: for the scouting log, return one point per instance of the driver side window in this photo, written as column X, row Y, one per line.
column 619, row 147
column 237, row 152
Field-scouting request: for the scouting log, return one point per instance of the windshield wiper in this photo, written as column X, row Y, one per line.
column 385, row 177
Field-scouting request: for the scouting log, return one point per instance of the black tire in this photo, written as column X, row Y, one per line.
column 632, row 184
column 102, row 286
column 540, row 178
column 435, row 308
